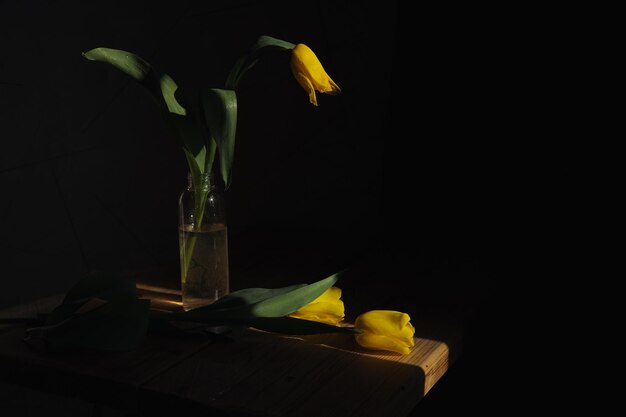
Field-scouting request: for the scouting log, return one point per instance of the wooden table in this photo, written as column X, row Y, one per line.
column 256, row 374
column 262, row 374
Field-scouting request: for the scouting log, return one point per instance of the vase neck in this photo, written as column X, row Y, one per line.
column 205, row 181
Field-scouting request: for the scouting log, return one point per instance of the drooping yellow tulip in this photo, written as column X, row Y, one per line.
column 385, row 330
column 310, row 74
column 327, row 308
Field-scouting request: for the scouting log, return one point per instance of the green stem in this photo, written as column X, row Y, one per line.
column 200, row 197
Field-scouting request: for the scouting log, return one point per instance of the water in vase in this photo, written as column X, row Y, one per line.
column 204, row 264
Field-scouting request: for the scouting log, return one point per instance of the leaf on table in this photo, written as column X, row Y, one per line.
column 244, row 306
column 102, row 311
column 290, row 325
column 90, row 305
column 287, row 303
column 250, row 296
column 118, row 325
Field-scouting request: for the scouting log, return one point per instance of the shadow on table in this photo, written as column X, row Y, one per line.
column 267, row 374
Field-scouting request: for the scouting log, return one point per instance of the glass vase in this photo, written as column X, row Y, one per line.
column 203, row 242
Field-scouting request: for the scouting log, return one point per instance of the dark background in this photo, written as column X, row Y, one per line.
column 90, row 178
column 405, row 179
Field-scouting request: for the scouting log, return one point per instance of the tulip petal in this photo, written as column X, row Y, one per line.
column 327, row 308
column 334, row 307
column 382, row 321
column 308, row 87
column 395, row 327
column 406, row 335
column 333, row 88
column 310, row 73
column 332, row 292
column 380, row 342
column 319, row 317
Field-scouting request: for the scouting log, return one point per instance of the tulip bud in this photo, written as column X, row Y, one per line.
column 310, row 74
column 385, row 330
column 327, row 308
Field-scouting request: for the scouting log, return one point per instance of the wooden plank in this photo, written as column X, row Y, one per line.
column 257, row 374
column 161, row 298
column 263, row 374
column 106, row 378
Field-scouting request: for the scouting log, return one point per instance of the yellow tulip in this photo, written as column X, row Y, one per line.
column 385, row 330
column 327, row 308
column 310, row 74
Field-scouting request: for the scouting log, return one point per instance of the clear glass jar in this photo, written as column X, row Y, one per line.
column 203, row 242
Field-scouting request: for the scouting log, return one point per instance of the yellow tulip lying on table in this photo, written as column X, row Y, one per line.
column 103, row 311
column 327, row 308
column 385, row 330
column 377, row 329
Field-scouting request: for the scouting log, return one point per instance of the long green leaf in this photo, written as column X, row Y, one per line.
column 284, row 325
column 168, row 91
column 290, row 325
column 163, row 89
column 214, row 315
column 199, row 204
column 220, row 112
column 191, row 134
column 289, row 302
column 259, row 302
column 246, row 62
column 193, row 165
column 162, row 86
column 265, row 41
column 249, row 296
column 118, row 325
column 128, row 63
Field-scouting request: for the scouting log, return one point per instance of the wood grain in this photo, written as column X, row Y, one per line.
column 253, row 373
column 106, row 378
column 262, row 374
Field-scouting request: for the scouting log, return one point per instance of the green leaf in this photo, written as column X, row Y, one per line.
column 118, row 325
column 249, row 296
column 249, row 60
column 287, row 303
column 265, row 41
column 126, row 62
column 185, row 127
column 192, row 137
column 258, row 302
column 290, row 325
column 220, row 112
column 168, row 91
column 96, row 284
column 199, row 198
column 162, row 86
column 61, row 313
column 194, row 168
column 210, row 156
